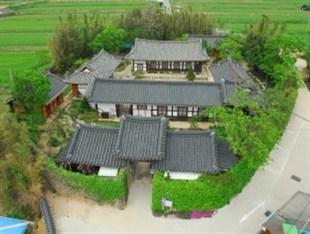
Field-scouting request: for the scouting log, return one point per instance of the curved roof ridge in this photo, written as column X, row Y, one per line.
column 198, row 40
column 89, row 126
column 174, row 82
column 191, row 132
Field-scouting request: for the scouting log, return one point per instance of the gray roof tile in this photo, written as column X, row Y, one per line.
column 213, row 41
column 47, row 216
column 57, row 86
column 189, row 151
column 182, row 93
column 146, row 139
column 92, row 146
column 141, row 138
column 151, row 50
column 195, row 151
column 230, row 71
column 101, row 66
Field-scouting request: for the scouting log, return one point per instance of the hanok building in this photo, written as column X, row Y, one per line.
column 173, row 99
column 231, row 71
column 100, row 66
column 55, row 96
column 213, row 41
column 181, row 155
column 152, row 56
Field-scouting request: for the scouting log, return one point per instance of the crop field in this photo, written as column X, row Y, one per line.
column 34, row 22
column 236, row 14
column 32, row 26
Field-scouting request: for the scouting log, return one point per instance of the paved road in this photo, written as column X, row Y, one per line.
column 268, row 190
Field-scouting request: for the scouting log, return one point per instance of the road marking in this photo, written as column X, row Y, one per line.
column 246, row 216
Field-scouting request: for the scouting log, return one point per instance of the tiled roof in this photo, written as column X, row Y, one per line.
column 57, row 86
column 152, row 50
column 141, row 138
column 224, row 155
column 230, row 71
column 182, row 93
column 213, row 41
column 92, row 146
column 47, row 216
column 146, row 139
column 195, row 151
column 100, row 66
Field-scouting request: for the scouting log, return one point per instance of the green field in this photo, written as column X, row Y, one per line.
column 235, row 14
column 33, row 24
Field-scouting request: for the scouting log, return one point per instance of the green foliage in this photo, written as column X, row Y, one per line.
column 194, row 122
column 152, row 23
column 251, row 136
column 71, row 39
column 78, row 108
column 190, row 75
column 54, row 142
column 110, row 39
column 102, row 189
column 43, row 58
column 30, row 90
column 232, row 47
column 20, row 169
column 257, row 36
column 183, row 37
column 278, row 59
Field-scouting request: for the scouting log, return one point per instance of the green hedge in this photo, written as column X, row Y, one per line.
column 102, row 189
column 215, row 191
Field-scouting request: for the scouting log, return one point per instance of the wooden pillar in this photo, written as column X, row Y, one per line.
column 75, row 90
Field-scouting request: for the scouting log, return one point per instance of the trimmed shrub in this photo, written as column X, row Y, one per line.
column 190, row 75
column 102, row 189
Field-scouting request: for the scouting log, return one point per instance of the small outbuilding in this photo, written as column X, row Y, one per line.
column 101, row 66
column 55, row 96
column 233, row 72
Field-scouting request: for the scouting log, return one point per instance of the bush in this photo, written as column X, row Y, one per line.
column 190, row 75
column 102, row 189
column 54, row 142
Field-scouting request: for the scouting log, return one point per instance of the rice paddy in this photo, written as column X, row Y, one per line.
column 32, row 26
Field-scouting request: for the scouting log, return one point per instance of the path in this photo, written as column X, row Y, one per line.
column 268, row 190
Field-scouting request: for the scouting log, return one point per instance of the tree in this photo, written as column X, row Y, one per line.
column 152, row 23
column 278, row 59
column 71, row 40
column 232, row 47
column 110, row 39
column 65, row 44
column 30, row 90
column 20, row 169
column 256, row 38
column 190, row 75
